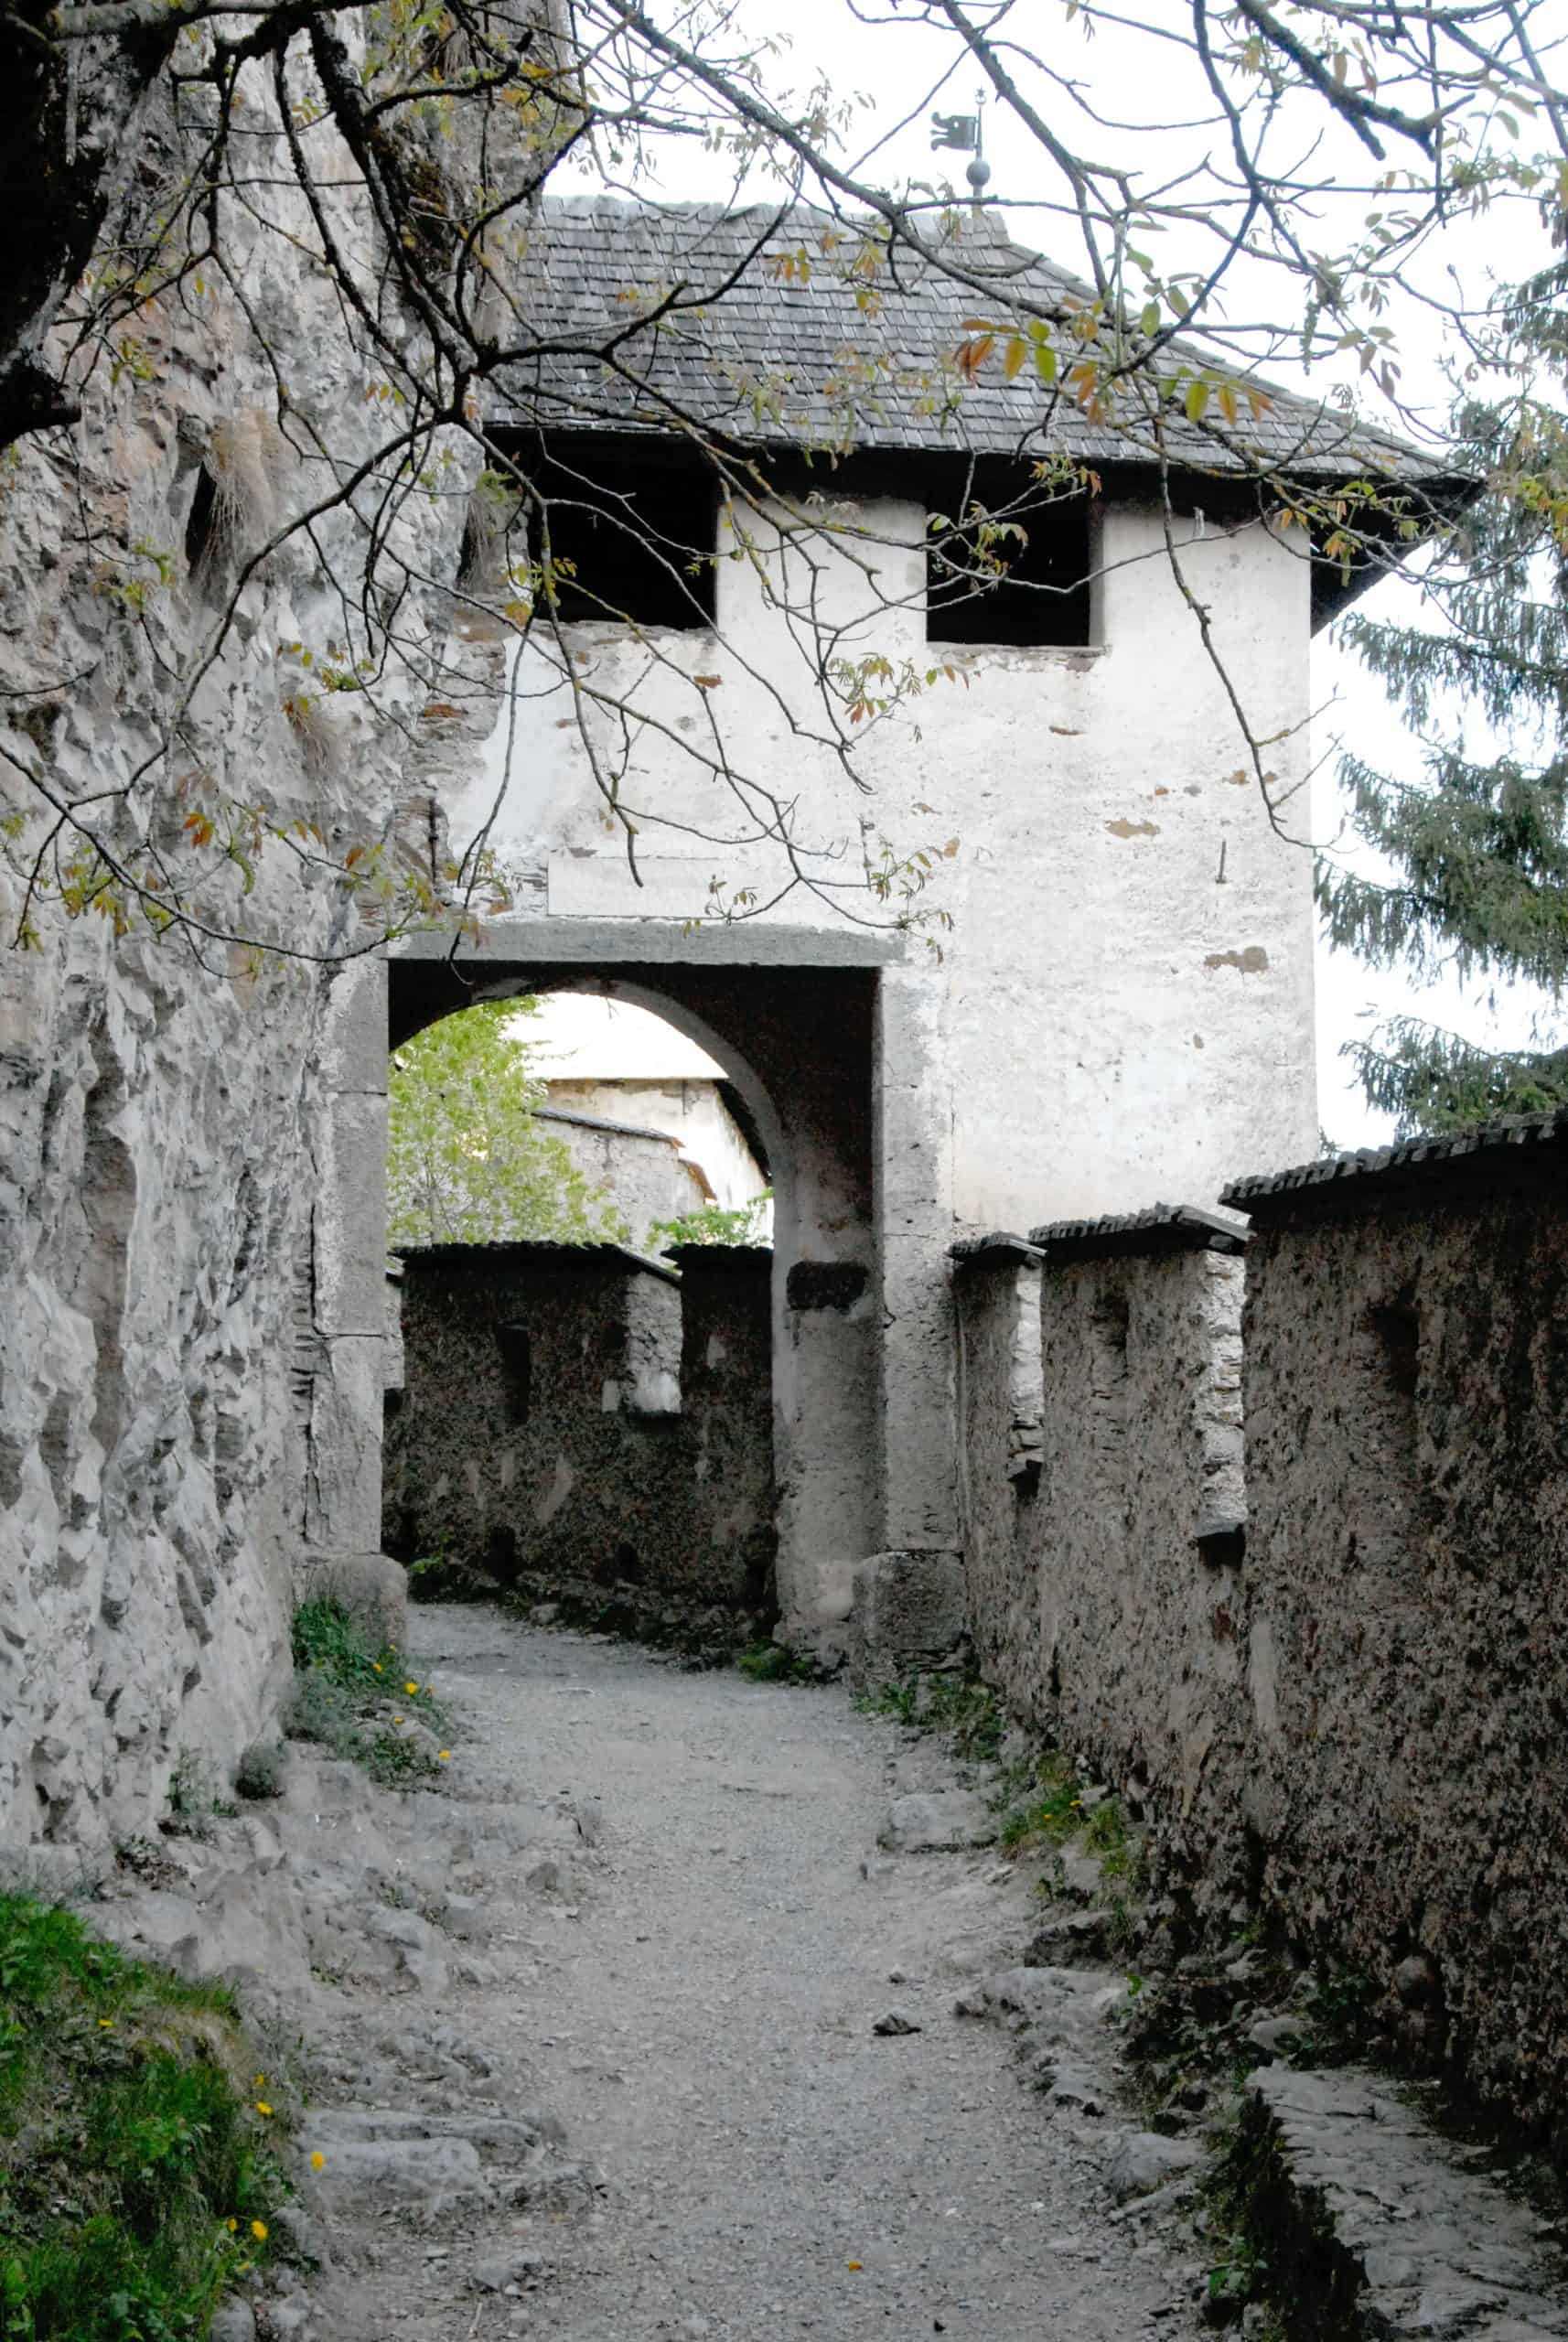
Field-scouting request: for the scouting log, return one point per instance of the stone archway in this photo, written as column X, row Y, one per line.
column 797, row 1018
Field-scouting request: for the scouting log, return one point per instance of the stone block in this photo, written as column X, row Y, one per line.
column 354, row 1038
column 908, row 1613
column 343, row 1494
column 372, row 1585
column 349, row 1220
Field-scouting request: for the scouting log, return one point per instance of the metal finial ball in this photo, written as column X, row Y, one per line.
column 979, row 173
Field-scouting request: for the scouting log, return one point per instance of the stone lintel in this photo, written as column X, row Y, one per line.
column 1501, row 1157
column 1163, row 1228
column 602, row 943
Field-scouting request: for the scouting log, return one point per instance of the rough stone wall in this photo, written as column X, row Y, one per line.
column 1140, row 1651
column 726, row 1383
column 1102, row 1452
column 1407, row 1662
column 639, row 1171
column 1352, row 1720
column 997, row 1298
column 693, row 1112
column 562, row 1425
column 178, row 1333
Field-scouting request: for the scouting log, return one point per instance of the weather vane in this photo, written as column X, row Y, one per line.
column 965, row 133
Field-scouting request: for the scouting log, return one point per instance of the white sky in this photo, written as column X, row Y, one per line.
column 582, row 1036
column 1146, row 83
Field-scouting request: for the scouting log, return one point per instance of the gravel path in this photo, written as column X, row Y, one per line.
column 696, row 2000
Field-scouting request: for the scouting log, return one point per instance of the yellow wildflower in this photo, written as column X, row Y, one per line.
column 262, row 2106
column 377, row 1665
column 233, row 2226
column 855, row 2265
column 259, row 2231
column 105, row 2024
column 318, row 2161
column 411, row 1688
column 445, row 1755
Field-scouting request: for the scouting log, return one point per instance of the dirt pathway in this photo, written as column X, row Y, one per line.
column 682, row 1954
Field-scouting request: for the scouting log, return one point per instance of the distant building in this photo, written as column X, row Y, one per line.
column 619, row 1077
column 643, row 1172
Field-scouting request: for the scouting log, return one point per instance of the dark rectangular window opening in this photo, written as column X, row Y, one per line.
column 516, row 1346
column 1007, row 561
column 630, row 531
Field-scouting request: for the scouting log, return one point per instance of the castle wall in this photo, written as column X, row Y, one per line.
column 587, row 1425
column 190, row 1330
column 1406, row 1385
column 1346, row 1715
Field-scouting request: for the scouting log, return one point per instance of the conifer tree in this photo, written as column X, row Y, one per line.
column 1479, row 843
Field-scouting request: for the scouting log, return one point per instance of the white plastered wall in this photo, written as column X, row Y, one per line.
column 1121, row 1009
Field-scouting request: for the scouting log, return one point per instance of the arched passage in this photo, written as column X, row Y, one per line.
column 797, row 1038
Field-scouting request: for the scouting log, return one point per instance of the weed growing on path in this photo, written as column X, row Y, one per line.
column 1043, row 1805
column 193, row 1803
column 771, row 1663
column 261, row 1770
column 963, row 1707
column 361, row 1700
column 136, row 2172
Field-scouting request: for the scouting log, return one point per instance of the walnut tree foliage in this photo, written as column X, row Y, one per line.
column 172, row 161
column 466, row 1162
column 1479, row 842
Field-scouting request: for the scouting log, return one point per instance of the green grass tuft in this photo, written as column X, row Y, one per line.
column 963, row 1707
column 129, row 2140
column 353, row 1697
column 771, row 1663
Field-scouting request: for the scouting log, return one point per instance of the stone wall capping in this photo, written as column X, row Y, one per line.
column 741, row 1258
column 515, row 1254
column 997, row 1249
column 603, row 1123
column 1163, row 1228
column 1514, row 1149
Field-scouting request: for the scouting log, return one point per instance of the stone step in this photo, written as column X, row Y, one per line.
column 1378, row 2227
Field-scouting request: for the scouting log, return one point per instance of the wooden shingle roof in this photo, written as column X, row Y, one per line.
column 778, row 328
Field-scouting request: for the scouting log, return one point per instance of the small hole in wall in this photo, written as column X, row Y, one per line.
column 501, row 1553
column 200, row 520
column 516, row 1346
column 1397, row 1332
column 623, row 1567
